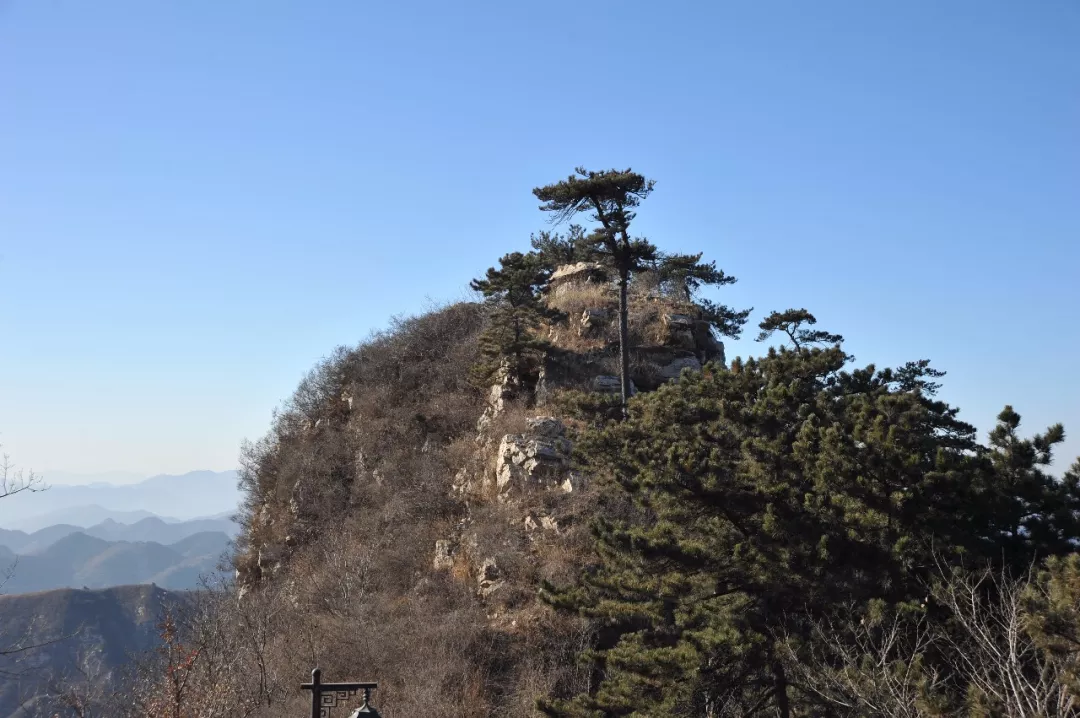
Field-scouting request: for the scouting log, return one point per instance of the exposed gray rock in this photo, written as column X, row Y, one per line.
column 611, row 385
column 500, row 392
column 540, row 456
column 573, row 274
column 546, row 426
column 489, row 578
column 525, row 459
column 675, row 368
column 680, row 330
column 444, row 555
column 593, row 321
column 544, row 522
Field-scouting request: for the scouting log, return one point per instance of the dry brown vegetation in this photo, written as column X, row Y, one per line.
column 346, row 496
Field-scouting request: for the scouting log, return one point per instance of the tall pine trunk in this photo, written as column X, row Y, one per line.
column 624, row 340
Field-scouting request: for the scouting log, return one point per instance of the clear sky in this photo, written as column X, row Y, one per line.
column 200, row 199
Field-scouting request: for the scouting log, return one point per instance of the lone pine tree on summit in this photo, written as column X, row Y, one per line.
column 611, row 196
column 791, row 322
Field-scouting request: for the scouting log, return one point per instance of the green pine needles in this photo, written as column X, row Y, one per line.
column 784, row 494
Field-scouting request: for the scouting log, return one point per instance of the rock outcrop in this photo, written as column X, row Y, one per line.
column 610, row 384
column 593, row 322
column 540, row 457
column 680, row 331
column 444, row 555
column 675, row 368
column 569, row 275
column 489, row 578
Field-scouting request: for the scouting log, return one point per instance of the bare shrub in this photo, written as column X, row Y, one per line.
column 978, row 659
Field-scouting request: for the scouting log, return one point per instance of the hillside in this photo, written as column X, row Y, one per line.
column 394, row 493
column 90, row 637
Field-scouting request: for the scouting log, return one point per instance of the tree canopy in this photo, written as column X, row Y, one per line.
column 784, row 492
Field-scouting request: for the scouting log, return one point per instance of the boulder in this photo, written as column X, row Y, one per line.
column 593, row 322
column 580, row 273
column 546, row 426
column 444, row 556
column 675, row 368
column 489, row 578
column 609, row 384
column 680, row 331
column 545, row 522
column 525, row 459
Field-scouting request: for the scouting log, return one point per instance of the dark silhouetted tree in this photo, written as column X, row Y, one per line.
column 517, row 311
column 791, row 323
column 611, row 196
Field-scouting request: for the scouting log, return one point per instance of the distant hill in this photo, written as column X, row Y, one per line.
column 80, row 560
column 187, row 496
column 148, row 529
column 82, row 516
column 98, row 631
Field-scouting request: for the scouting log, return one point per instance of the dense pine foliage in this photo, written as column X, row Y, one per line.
column 782, row 494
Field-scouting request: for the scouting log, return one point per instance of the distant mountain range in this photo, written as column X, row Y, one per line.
column 187, row 496
column 172, row 555
column 81, row 560
column 98, row 631
column 151, row 528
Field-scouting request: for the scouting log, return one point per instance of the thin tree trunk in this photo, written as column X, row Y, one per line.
column 781, row 684
column 624, row 341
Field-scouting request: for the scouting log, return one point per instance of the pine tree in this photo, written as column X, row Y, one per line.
column 611, row 196
column 790, row 323
column 769, row 498
column 684, row 275
column 556, row 250
column 517, row 311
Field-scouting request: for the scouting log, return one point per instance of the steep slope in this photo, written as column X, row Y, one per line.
column 406, row 517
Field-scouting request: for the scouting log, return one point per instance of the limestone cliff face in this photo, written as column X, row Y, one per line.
column 511, row 468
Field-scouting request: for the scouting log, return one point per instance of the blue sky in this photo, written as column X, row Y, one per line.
column 200, row 199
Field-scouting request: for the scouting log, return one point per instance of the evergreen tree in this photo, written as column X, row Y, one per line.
column 790, row 322
column 556, row 250
column 517, row 311
column 611, row 196
column 770, row 498
column 684, row 275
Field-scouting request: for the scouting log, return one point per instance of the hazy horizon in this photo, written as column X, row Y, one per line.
column 116, row 478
